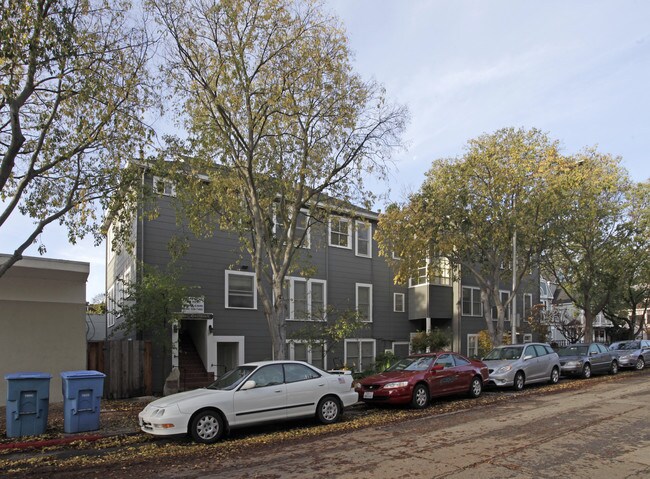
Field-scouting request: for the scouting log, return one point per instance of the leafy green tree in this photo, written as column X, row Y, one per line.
column 629, row 302
column 73, row 89
column 277, row 122
column 586, row 244
column 470, row 208
column 152, row 303
column 434, row 340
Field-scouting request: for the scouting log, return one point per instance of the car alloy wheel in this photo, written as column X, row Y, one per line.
column 640, row 363
column 207, row 427
column 555, row 376
column 586, row 371
column 476, row 387
column 519, row 382
column 614, row 368
column 420, row 397
column 329, row 410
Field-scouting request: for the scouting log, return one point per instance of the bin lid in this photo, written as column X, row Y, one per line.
column 82, row 374
column 28, row 375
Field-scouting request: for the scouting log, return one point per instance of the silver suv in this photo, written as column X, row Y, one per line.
column 515, row 365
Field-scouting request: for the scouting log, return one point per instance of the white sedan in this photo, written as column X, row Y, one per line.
column 250, row 394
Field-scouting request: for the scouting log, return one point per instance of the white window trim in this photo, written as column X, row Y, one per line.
column 293, row 342
column 306, row 244
column 471, row 353
column 110, row 252
column 165, row 182
column 329, row 233
column 400, row 343
column 356, row 242
column 110, row 307
column 356, row 290
column 528, row 295
column 473, row 314
column 292, row 280
column 228, row 273
column 507, row 308
column 528, row 338
column 395, row 310
column 360, row 341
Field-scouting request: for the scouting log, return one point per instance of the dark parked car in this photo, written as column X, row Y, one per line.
column 587, row 359
column 418, row 378
column 634, row 354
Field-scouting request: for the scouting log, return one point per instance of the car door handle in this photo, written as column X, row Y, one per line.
column 278, row 391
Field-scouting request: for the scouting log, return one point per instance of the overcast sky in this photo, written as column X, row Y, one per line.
column 579, row 70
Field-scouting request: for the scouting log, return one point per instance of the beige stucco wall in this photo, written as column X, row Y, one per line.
column 42, row 320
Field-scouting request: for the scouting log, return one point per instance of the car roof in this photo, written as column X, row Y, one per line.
column 277, row 361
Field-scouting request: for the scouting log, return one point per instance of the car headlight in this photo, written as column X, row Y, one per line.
column 159, row 412
column 627, row 356
column 573, row 364
column 504, row 369
column 399, row 384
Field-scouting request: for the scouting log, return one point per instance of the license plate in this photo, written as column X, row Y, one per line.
column 368, row 395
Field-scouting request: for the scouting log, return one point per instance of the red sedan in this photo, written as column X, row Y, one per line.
column 418, row 378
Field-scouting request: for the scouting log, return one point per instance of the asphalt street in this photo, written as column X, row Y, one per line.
column 597, row 432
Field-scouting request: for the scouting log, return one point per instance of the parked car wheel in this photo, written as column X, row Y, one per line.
column 476, row 387
column 519, row 381
column 207, row 427
column 614, row 367
column 329, row 410
column 420, row 398
column 555, row 376
column 640, row 363
column 586, row 371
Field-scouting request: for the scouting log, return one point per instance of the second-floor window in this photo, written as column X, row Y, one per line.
column 364, row 239
column 528, row 305
column 305, row 299
column 163, row 186
column 240, row 290
column 364, row 301
column 340, row 234
column 472, row 301
column 505, row 295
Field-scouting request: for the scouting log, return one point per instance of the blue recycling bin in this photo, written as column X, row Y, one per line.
column 82, row 393
column 28, row 396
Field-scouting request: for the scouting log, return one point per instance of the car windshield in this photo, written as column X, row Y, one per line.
column 573, row 351
column 632, row 345
column 232, row 378
column 505, row 353
column 412, row 364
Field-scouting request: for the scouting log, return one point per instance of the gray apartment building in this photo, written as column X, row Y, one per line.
column 225, row 324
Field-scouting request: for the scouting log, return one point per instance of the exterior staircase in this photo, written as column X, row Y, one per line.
column 192, row 372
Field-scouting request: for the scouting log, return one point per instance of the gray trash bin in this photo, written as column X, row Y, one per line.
column 28, row 396
column 82, row 393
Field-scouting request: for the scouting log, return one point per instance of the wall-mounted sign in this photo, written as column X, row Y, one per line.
column 195, row 305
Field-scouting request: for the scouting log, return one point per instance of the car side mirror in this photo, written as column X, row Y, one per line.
column 527, row 357
column 250, row 384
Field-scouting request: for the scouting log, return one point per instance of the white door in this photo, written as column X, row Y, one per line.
column 305, row 387
column 266, row 401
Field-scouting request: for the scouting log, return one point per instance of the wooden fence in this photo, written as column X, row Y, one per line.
column 127, row 365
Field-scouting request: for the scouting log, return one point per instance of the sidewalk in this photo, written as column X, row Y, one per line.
column 117, row 418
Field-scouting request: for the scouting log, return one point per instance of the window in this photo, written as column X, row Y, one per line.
column 359, row 354
column 314, row 354
column 472, row 301
column 401, row 349
column 541, row 350
column 461, row 361
column 445, row 360
column 364, row 239
column 240, row 290
column 298, row 372
column 472, row 345
column 528, row 338
column 398, row 303
column 302, row 231
column 340, row 232
column 528, row 305
column 270, row 375
column 110, row 236
column 505, row 295
column 111, row 306
column 164, row 187
column 364, row 301
column 305, row 299
column 435, row 271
